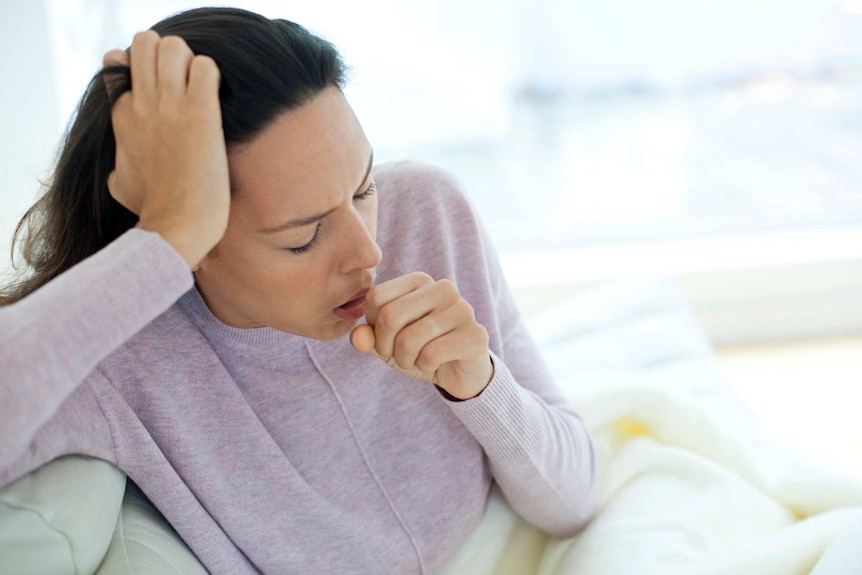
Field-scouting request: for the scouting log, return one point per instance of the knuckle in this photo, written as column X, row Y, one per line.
column 422, row 278
column 406, row 366
column 382, row 351
column 447, row 284
column 432, row 324
column 145, row 36
column 205, row 64
column 465, row 308
column 173, row 43
column 372, row 298
column 402, row 358
column 113, row 57
column 428, row 358
column 387, row 317
column 482, row 335
column 407, row 342
column 204, row 69
column 449, row 291
column 205, row 61
column 421, row 365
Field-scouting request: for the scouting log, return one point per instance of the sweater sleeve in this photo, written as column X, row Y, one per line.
column 54, row 338
column 540, row 452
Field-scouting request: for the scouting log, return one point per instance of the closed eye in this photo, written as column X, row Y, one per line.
column 310, row 244
column 369, row 191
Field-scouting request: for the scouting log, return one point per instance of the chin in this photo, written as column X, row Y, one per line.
column 330, row 332
column 341, row 329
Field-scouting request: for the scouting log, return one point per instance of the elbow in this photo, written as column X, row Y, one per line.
column 576, row 509
column 561, row 512
column 577, row 516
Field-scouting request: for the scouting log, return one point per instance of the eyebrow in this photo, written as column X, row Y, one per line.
column 298, row 223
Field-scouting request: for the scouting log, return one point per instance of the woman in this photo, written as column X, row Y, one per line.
column 274, row 430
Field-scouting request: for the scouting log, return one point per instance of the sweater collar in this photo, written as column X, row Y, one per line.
column 194, row 305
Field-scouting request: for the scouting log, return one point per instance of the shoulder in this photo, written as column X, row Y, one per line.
column 416, row 184
column 425, row 222
column 424, row 200
column 163, row 348
column 412, row 173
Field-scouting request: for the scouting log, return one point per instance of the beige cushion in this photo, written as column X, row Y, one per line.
column 60, row 518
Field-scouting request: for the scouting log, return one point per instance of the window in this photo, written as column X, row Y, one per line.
column 598, row 139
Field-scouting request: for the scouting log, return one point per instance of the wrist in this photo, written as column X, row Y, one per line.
column 189, row 247
column 472, row 392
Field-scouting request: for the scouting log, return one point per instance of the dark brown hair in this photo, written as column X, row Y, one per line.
column 267, row 67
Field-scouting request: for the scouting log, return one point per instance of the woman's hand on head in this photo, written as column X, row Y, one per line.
column 171, row 164
column 424, row 329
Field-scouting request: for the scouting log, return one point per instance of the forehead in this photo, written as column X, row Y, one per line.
column 305, row 160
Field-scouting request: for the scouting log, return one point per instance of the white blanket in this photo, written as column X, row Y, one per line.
column 691, row 483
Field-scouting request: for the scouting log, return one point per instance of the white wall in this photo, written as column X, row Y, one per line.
column 29, row 122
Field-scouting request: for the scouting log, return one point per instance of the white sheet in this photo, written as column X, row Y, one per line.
column 691, row 483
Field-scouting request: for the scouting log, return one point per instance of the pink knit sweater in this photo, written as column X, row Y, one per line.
column 273, row 453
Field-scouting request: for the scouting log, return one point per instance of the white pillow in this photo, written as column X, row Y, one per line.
column 59, row 518
column 145, row 544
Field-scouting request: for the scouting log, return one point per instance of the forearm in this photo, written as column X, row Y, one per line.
column 52, row 339
column 541, row 455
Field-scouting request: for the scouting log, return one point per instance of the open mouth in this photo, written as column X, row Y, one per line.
column 353, row 309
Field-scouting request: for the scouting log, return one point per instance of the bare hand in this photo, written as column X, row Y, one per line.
column 424, row 329
column 171, row 165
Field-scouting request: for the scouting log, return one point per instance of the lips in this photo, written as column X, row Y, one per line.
column 354, row 308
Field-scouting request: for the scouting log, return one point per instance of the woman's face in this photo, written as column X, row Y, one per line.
column 300, row 241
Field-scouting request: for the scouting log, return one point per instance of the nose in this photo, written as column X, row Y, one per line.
column 361, row 249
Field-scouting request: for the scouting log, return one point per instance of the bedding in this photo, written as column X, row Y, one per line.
column 692, row 483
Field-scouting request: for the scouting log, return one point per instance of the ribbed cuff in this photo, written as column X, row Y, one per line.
column 504, row 418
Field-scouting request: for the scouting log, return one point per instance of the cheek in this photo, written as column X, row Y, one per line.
column 302, row 281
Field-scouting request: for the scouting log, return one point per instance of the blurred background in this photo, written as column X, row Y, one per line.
column 717, row 141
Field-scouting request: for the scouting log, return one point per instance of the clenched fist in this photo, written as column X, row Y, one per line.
column 424, row 329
